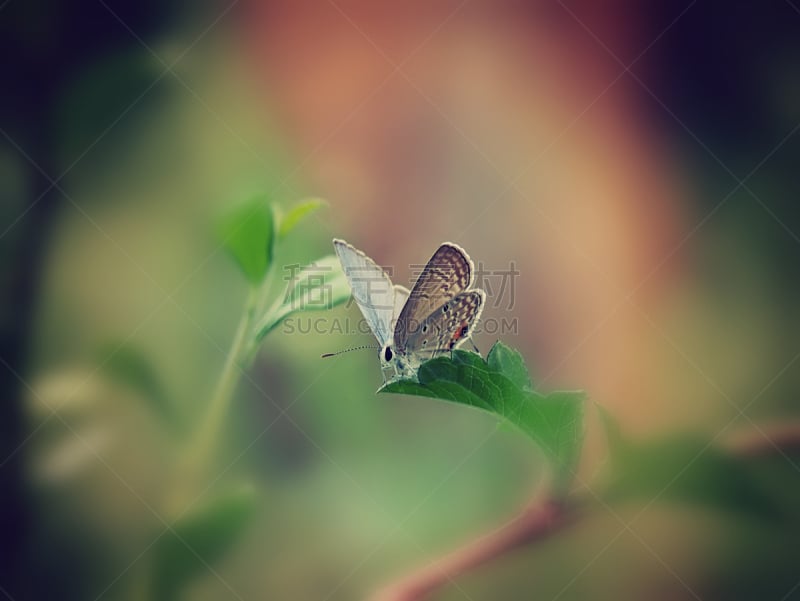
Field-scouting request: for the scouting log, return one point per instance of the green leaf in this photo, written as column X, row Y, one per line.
column 321, row 285
column 297, row 213
column 198, row 539
column 500, row 385
column 248, row 234
column 691, row 470
column 555, row 420
column 508, row 361
column 131, row 367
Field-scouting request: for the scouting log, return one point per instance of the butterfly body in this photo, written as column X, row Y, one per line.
column 435, row 317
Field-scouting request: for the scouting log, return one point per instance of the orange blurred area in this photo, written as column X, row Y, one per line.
column 514, row 130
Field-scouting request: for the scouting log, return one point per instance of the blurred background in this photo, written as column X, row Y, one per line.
column 635, row 163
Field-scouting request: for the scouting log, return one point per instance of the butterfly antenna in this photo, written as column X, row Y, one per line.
column 347, row 350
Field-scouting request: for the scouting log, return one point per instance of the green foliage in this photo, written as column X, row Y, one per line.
column 321, row 285
column 684, row 469
column 500, row 384
column 296, row 214
column 251, row 233
column 198, row 539
column 509, row 362
column 248, row 234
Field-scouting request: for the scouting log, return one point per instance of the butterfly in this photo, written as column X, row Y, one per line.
column 436, row 316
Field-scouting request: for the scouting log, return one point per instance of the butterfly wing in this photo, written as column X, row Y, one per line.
column 448, row 272
column 448, row 326
column 401, row 294
column 371, row 287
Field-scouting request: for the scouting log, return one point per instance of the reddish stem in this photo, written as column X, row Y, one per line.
column 536, row 523
column 546, row 517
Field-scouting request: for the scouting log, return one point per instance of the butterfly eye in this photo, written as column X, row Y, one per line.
column 388, row 354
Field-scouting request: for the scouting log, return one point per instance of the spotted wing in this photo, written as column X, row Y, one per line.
column 371, row 287
column 447, row 327
column 448, row 272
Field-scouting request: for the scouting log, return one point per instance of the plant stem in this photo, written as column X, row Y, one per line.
column 229, row 378
column 783, row 437
column 546, row 517
column 537, row 522
column 204, row 439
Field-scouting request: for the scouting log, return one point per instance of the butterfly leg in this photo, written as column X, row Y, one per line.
column 391, row 377
column 472, row 342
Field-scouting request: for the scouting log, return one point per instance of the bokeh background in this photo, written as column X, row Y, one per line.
column 637, row 163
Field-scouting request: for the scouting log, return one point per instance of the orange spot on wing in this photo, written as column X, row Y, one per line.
column 460, row 332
